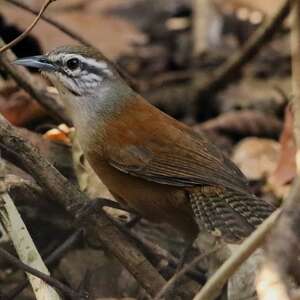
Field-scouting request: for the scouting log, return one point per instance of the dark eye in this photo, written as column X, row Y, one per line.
column 73, row 63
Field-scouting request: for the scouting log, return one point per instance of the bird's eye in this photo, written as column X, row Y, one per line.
column 73, row 63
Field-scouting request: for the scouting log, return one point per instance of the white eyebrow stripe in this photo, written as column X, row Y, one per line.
column 102, row 65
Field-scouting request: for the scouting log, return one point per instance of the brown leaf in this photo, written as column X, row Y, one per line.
column 256, row 157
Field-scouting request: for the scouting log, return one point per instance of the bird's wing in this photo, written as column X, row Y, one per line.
column 183, row 159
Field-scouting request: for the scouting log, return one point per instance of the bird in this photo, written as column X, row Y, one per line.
column 148, row 160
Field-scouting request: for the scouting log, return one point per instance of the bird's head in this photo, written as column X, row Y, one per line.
column 76, row 70
column 87, row 82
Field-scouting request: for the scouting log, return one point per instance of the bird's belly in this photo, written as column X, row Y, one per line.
column 153, row 201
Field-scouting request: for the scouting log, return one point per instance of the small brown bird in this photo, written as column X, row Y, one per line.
column 149, row 161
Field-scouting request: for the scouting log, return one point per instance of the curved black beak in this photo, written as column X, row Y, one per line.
column 40, row 62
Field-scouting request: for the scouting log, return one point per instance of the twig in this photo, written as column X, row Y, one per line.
column 217, row 281
column 24, row 246
column 52, row 258
column 181, row 273
column 51, row 281
column 29, row 28
column 66, row 194
column 32, row 86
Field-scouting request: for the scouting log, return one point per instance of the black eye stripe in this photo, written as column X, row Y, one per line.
column 67, row 71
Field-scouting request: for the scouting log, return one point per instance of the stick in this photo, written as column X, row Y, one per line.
column 27, row 31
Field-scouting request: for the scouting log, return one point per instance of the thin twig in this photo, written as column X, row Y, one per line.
column 171, row 282
column 48, row 279
column 29, row 28
column 217, row 281
column 53, row 22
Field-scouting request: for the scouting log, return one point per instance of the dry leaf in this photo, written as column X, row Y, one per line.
column 256, row 157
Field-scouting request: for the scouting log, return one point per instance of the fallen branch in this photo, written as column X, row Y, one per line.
column 28, row 30
column 67, row 195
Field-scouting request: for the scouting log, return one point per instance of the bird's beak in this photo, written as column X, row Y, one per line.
column 40, row 62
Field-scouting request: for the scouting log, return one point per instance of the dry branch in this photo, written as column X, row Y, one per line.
column 69, row 196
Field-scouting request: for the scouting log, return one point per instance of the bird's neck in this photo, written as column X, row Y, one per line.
column 91, row 112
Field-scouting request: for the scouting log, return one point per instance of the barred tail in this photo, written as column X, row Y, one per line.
column 231, row 214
